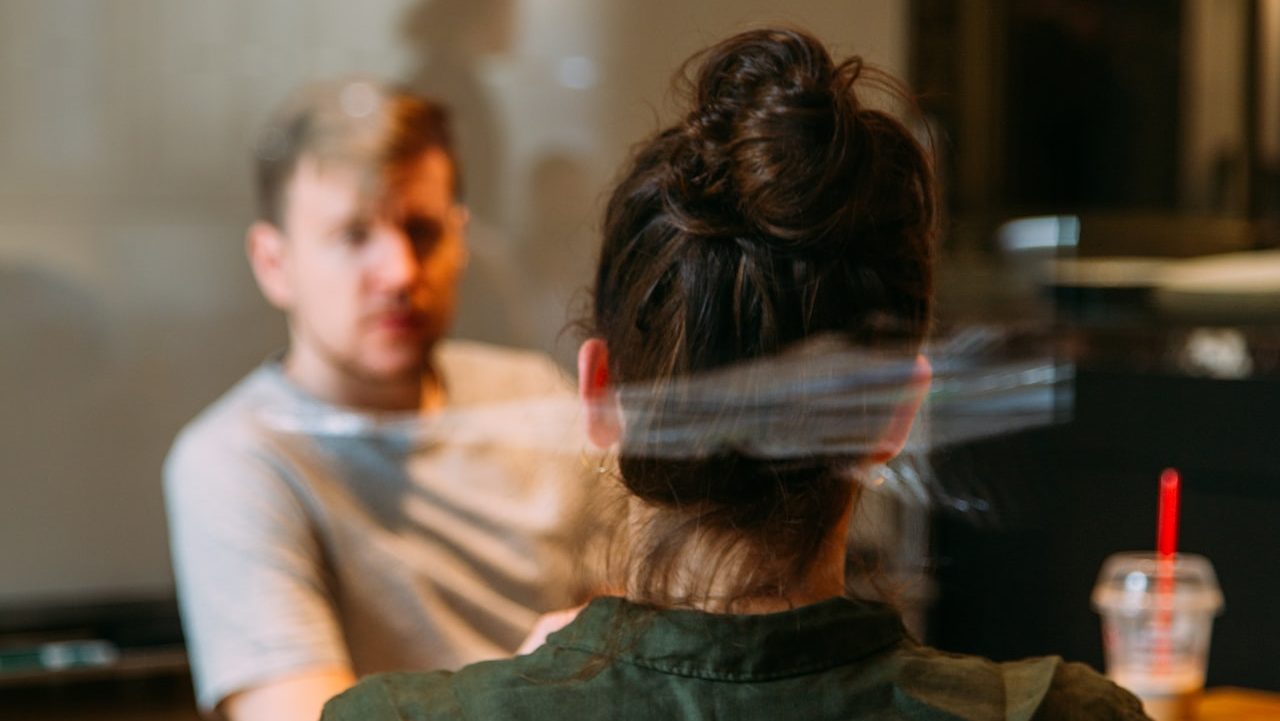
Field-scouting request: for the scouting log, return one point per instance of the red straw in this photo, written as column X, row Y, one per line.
column 1167, row 520
column 1166, row 547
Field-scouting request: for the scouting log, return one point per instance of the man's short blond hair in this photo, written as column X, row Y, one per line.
column 357, row 122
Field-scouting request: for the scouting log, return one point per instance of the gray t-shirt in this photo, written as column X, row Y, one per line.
column 305, row 535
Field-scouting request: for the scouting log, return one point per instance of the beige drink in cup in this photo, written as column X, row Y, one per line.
column 1157, row 614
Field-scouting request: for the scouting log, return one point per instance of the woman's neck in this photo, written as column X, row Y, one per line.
column 687, row 587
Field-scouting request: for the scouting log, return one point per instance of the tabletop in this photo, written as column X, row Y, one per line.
column 1238, row 704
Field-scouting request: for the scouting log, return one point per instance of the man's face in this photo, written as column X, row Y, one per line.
column 371, row 278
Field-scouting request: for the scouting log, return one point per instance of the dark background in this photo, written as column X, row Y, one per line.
column 1077, row 107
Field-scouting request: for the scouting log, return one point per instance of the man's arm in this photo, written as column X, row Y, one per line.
column 298, row 697
column 547, row 624
column 251, row 580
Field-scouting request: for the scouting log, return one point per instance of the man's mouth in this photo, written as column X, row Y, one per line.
column 400, row 321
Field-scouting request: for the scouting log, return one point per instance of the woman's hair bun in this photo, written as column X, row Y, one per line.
column 772, row 132
column 779, row 210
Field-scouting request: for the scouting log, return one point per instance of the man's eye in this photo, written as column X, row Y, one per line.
column 355, row 235
column 423, row 232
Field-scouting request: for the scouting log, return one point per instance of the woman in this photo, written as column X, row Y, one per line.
column 782, row 214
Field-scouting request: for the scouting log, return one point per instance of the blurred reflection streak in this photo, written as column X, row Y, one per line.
column 823, row 398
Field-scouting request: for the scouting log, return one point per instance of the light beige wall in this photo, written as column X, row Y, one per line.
column 1213, row 101
column 1269, row 83
column 125, row 303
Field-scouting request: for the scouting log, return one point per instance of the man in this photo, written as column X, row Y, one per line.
column 323, row 524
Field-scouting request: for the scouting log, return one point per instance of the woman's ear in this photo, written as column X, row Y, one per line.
column 265, row 245
column 604, row 419
column 894, row 437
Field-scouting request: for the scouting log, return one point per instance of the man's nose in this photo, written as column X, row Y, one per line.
column 397, row 262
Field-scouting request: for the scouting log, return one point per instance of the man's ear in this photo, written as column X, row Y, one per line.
column 894, row 437
column 459, row 221
column 604, row 419
column 268, row 256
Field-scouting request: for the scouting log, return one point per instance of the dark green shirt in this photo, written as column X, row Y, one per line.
column 839, row 659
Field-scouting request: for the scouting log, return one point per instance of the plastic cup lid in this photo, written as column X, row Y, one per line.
column 1132, row 583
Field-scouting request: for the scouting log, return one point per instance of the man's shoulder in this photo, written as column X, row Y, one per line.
column 229, row 424
column 481, row 372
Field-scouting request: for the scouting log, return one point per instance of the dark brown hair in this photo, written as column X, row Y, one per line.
column 781, row 208
column 374, row 127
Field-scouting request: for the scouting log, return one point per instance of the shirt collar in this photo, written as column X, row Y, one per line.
column 733, row 647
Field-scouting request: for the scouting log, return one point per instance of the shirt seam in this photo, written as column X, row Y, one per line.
column 711, row 675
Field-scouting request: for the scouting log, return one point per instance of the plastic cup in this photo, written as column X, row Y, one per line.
column 1157, row 615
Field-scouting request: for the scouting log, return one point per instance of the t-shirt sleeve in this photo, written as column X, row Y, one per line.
column 255, row 599
column 1078, row 693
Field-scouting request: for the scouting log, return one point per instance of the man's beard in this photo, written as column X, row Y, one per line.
column 352, row 367
column 349, row 365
